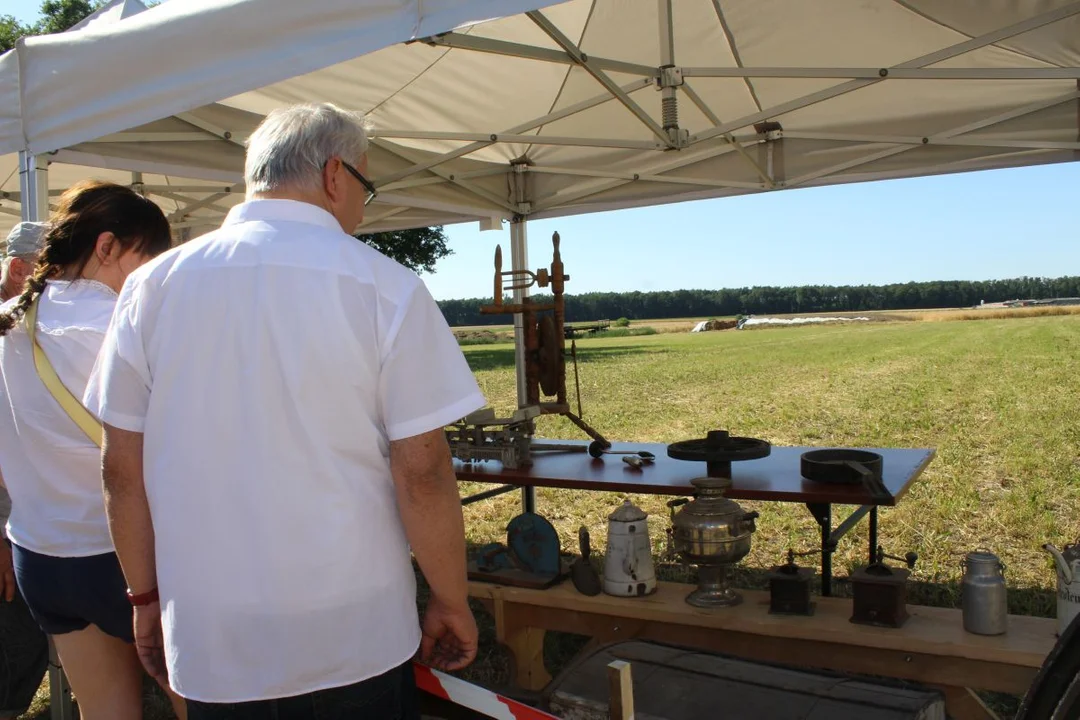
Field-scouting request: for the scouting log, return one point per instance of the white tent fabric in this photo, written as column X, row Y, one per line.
column 583, row 106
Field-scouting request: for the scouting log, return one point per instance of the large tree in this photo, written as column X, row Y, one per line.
column 417, row 249
column 56, row 16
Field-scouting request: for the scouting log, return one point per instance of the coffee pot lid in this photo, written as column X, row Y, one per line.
column 627, row 512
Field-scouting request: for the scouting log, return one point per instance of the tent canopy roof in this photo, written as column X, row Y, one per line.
column 593, row 105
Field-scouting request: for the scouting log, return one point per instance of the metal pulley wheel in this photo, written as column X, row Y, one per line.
column 549, row 355
column 718, row 450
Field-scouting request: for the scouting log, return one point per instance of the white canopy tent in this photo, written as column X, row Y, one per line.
column 584, row 106
column 588, row 105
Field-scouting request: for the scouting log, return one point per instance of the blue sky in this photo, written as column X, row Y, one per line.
column 972, row 226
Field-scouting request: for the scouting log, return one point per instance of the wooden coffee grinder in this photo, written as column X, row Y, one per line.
column 880, row 591
column 789, row 587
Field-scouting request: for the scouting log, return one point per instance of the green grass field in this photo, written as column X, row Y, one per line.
column 998, row 399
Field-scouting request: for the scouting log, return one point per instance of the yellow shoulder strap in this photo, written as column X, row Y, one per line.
column 74, row 409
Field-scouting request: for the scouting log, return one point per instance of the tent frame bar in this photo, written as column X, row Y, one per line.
column 598, row 74
column 946, row 135
column 952, row 51
column 898, row 73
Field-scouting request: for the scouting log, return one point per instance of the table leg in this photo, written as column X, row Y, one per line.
column 525, row 645
column 528, row 499
column 822, row 512
column 873, row 535
column 963, row 704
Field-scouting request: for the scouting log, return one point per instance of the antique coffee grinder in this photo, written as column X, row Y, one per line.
column 880, row 591
column 789, row 587
column 712, row 531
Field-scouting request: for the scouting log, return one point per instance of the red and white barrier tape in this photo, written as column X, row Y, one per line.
column 474, row 697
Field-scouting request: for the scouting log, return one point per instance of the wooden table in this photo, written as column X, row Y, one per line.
column 930, row 648
column 775, row 478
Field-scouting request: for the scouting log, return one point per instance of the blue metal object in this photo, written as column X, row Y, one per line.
column 493, row 557
column 534, row 544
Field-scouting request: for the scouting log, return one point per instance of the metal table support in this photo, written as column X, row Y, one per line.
column 830, row 537
column 494, row 492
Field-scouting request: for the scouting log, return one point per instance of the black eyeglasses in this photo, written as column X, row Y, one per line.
column 371, row 190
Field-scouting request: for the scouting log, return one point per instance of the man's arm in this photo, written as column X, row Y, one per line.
column 132, row 532
column 126, row 506
column 430, row 509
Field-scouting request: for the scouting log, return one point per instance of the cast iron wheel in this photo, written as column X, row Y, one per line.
column 719, row 447
column 1055, row 694
column 718, row 450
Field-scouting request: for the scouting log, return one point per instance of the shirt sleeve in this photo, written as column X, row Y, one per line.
column 118, row 392
column 424, row 381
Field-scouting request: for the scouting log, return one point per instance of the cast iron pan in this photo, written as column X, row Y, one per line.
column 841, row 466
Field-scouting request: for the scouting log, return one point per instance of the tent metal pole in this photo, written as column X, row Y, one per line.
column 34, row 187
column 519, row 260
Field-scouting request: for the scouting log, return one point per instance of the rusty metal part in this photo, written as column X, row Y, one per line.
column 718, row 450
column 577, row 380
column 549, row 356
column 544, row 330
column 597, row 450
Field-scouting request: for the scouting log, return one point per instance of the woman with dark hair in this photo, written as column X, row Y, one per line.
column 50, row 457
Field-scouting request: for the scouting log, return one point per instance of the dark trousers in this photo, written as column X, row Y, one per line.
column 390, row 696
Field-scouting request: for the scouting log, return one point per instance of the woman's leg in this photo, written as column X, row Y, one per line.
column 105, row 674
column 179, row 705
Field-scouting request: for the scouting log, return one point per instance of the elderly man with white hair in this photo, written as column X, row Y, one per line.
column 273, row 397
column 20, row 257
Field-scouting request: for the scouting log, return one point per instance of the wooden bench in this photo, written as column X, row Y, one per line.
column 931, row 648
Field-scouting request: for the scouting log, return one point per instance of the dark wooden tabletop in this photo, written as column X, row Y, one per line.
column 776, row 477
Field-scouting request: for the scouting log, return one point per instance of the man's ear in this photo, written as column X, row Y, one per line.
column 332, row 180
column 20, row 269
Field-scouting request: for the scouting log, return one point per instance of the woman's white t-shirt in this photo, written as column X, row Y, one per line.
column 51, row 468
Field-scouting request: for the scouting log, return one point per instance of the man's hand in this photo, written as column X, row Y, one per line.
column 7, row 573
column 149, row 643
column 450, row 636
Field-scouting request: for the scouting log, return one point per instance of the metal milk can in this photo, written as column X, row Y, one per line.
column 1068, row 582
column 628, row 566
column 984, row 596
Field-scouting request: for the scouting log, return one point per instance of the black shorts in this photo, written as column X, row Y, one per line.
column 68, row 594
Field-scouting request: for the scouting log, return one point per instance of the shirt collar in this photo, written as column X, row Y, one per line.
column 281, row 210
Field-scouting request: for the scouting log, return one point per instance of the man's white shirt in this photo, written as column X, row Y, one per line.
column 269, row 365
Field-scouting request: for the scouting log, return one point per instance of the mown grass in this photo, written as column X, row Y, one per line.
column 998, row 399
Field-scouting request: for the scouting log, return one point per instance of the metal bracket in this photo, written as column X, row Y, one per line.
column 669, row 77
column 822, row 513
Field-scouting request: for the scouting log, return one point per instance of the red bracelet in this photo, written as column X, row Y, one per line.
column 141, row 599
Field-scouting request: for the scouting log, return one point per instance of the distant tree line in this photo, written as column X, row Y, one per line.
column 775, row 300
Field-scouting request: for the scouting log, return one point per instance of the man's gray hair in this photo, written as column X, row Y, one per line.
column 290, row 147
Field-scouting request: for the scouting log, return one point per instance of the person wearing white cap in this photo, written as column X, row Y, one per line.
column 24, row 650
column 23, row 245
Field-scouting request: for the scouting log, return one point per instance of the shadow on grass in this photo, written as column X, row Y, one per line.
column 501, row 358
